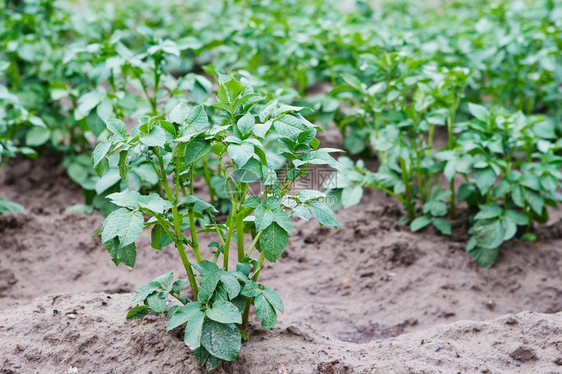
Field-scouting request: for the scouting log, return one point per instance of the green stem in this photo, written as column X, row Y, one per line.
column 154, row 100
column 453, row 199
column 194, row 242
column 207, row 176
column 254, row 242
column 246, row 314
column 240, row 236
column 228, row 240
column 145, row 89
column 177, row 225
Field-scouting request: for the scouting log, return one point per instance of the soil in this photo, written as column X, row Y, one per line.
column 369, row 297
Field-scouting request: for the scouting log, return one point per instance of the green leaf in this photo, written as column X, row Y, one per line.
column 123, row 164
column 485, row 257
column 450, row 169
column 194, row 330
column 261, row 129
column 442, row 225
column 489, row 233
column 205, row 267
column 484, row 179
column 86, row 103
column 478, row 111
column 283, row 219
column 117, row 127
column 146, row 290
column 419, row 223
column 154, row 203
column 548, row 182
column 241, row 154
column 488, row 211
column 101, row 150
column 196, row 148
column 157, row 302
column 159, row 238
column 9, row 206
column 127, row 198
column 122, row 254
column 518, row 217
column 273, row 298
column 265, row 312
column 79, row 208
column 220, row 340
column 322, row 213
column 183, row 315
column 545, row 130
column 138, row 312
column 208, row 284
column 211, row 363
column 37, row 136
column 179, row 113
column 535, row 200
column 123, row 224
column 231, row 285
column 529, row 237
column 224, row 312
column 198, row 118
column 351, row 196
column 273, row 242
column 289, row 126
column 246, row 123
column 156, row 138
column 264, row 218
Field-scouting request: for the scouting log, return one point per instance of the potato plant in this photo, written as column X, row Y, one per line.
column 214, row 312
column 508, row 164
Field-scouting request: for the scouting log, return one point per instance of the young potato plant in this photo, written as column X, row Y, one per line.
column 214, row 312
column 515, row 176
column 511, row 173
column 401, row 114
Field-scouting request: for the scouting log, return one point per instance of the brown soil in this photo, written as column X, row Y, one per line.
column 368, row 297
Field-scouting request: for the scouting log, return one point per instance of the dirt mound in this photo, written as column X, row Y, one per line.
column 87, row 333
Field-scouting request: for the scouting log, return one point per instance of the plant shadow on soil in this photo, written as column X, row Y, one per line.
column 371, row 279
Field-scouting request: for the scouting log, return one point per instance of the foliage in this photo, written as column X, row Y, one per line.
column 262, row 207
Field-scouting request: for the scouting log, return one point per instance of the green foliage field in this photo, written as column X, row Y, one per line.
column 459, row 103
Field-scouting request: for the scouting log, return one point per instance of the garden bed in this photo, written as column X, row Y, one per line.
column 375, row 296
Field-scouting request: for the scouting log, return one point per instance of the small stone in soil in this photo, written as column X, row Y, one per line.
column 523, row 354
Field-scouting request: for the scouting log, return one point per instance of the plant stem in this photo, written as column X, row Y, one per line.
column 154, row 101
column 145, row 89
column 207, row 176
column 260, row 262
column 194, row 242
column 453, row 199
column 229, row 238
column 246, row 314
column 253, row 245
column 177, row 225
column 240, row 236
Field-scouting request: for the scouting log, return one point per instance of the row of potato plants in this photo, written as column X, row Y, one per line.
column 67, row 69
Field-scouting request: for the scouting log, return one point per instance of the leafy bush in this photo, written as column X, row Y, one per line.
column 217, row 313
